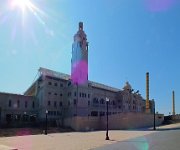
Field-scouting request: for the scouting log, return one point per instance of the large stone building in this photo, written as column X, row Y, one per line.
column 70, row 96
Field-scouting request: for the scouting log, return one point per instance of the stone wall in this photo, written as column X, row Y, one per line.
column 118, row 121
column 176, row 117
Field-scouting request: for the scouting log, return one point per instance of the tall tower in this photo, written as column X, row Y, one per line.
column 147, row 93
column 79, row 61
column 173, row 103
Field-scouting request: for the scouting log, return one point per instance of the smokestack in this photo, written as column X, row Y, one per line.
column 173, row 102
column 147, row 93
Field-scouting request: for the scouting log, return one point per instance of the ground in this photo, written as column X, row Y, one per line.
column 164, row 138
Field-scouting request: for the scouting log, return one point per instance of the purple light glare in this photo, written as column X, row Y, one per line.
column 158, row 5
column 79, row 72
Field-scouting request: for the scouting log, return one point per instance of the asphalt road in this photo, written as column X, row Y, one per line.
column 162, row 140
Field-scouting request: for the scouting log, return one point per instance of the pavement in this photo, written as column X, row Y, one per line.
column 3, row 147
column 164, row 138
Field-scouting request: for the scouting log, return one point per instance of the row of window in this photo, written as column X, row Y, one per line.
column 55, row 94
column 75, row 102
column 20, row 117
column 55, row 84
column 96, row 113
column 17, row 104
column 84, row 95
column 102, row 101
column 54, row 113
column 55, row 104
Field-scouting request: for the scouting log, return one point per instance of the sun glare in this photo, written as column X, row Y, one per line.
column 22, row 4
column 24, row 16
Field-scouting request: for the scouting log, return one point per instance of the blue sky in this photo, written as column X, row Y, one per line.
column 126, row 38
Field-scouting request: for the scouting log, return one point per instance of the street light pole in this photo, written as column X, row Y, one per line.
column 46, row 122
column 154, row 117
column 107, row 102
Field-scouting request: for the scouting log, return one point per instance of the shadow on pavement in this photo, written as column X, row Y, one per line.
column 165, row 140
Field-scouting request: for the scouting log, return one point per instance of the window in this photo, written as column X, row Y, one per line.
column 10, row 103
column 95, row 100
column 55, row 93
column 33, row 104
column 49, row 93
column 55, row 84
column 94, row 113
column 69, row 83
column 18, row 103
column 74, row 101
column 49, row 103
column 113, row 103
column 102, row 114
column 58, row 113
column 102, row 101
column 74, row 93
column 26, row 104
column 88, row 103
column 49, row 112
column 49, row 83
column 69, row 93
column 61, row 85
column 55, row 104
column 88, row 95
column 79, row 94
column 69, row 103
column 61, row 94
column 60, row 104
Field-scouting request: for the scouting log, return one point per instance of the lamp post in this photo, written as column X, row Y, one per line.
column 107, row 102
column 154, row 117
column 46, row 122
column 25, row 117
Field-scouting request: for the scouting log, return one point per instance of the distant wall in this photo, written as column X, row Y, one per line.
column 176, row 117
column 117, row 121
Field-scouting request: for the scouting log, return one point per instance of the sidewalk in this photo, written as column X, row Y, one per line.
column 73, row 140
column 68, row 141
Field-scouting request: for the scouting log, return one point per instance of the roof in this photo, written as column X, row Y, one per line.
column 5, row 93
column 64, row 76
column 52, row 73
column 103, row 86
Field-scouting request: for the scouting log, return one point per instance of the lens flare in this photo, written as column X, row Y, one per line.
column 79, row 72
column 22, row 4
column 23, row 18
column 159, row 5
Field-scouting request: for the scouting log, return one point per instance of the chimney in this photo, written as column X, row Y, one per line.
column 173, row 103
column 147, row 93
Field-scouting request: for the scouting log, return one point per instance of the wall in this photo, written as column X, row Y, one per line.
column 117, row 121
column 16, row 109
column 176, row 117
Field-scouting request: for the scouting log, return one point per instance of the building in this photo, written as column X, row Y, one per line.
column 17, row 109
column 70, row 96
